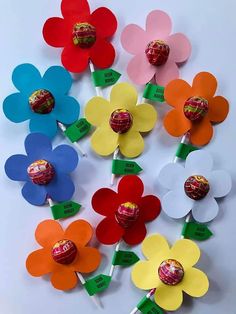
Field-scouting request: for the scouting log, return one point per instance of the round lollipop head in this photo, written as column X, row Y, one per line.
column 84, row 35
column 41, row 172
column 171, row 272
column 157, row 52
column 195, row 108
column 196, row 187
column 121, row 120
column 41, row 101
column 64, row 252
column 126, row 214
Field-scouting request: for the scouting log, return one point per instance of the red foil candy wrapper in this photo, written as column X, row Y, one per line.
column 41, row 172
column 171, row 272
column 41, row 101
column 195, row 108
column 157, row 52
column 64, row 252
column 84, row 35
column 196, row 187
column 121, row 120
column 126, row 214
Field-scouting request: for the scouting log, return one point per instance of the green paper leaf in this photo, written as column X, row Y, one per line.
column 147, row 306
column 105, row 77
column 196, row 231
column 124, row 258
column 65, row 209
column 184, row 149
column 121, row 167
column 77, row 130
column 154, row 92
column 97, row 284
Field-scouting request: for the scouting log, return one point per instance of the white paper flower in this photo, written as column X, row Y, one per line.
column 199, row 181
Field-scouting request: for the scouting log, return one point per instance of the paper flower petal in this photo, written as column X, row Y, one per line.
column 61, row 188
column 220, row 183
column 199, row 162
column 109, row 231
column 180, row 47
column 104, row 21
column 26, row 78
column 176, row 205
column 176, row 124
column 16, row 167
column 144, row 275
column 55, row 32
column 88, row 260
column 167, row 72
column 76, row 8
column 131, row 144
column 97, row 111
column 218, row 109
column 134, row 39
column 205, row 210
column 195, row 282
column 34, row 194
column 39, row 151
column 169, row 298
column 16, row 108
column 64, row 279
column 204, row 84
column 130, row 189
column 80, row 232
column 102, row 53
column 104, row 141
column 71, row 53
column 124, row 95
column 135, row 234
column 67, row 109
column 177, row 92
column 155, row 247
column 65, row 158
column 144, row 118
column 158, row 25
column 150, row 207
column 40, row 263
column 171, row 175
column 139, row 70
column 105, row 202
column 186, row 252
column 48, row 232
column 45, row 124
column 201, row 133
column 57, row 80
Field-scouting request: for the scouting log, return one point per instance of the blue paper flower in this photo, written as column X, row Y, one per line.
column 63, row 159
column 57, row 81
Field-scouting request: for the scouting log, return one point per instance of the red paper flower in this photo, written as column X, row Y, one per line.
column 84, row 36
column 126, row 211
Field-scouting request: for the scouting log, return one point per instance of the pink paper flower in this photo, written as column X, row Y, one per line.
column 175, row 49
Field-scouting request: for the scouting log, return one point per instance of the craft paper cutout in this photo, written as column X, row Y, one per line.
column 129, row 116
column 63, row 159
column 152, row 273
column 156, row 43
column 197, row 102
column 63, row 260
column 177, row 204
column 42, row 100
column 83, row 35
column 125, row 211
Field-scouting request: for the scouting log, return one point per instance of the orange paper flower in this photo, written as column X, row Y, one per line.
column 73, row 257
column 195, row 108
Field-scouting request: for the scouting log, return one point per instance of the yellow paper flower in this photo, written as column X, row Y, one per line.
column 120, row 121
column 170, row 271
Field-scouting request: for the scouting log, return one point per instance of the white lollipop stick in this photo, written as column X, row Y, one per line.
column 183, row 140
column 93, row 297
column 115, row 155
column 148, row 296
column 97, row 88
column 113, row 266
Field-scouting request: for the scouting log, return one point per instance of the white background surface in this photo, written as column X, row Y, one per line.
column 211, row 26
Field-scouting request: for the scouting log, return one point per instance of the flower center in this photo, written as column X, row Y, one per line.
column 196, row 187
column 84, row 35
column 171, row 272
column 121, row 120
column 157, row 52
column 195, row 108
column 64, row 252
column 41, row 101
column 41, row 172
column 126, row 214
